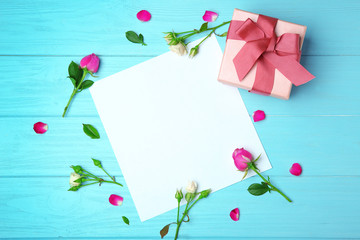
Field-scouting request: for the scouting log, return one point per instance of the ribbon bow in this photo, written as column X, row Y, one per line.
column 269, row 52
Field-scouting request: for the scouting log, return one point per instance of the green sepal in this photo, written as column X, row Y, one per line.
column 75, row 188
column 78, row 169
column 79, row 180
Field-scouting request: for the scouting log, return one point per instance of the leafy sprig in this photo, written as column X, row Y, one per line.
column 86, row 176
column 174, row 38
column 191, row 199
column 77, row 76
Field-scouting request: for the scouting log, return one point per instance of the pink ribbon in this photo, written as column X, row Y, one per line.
column 269, row 52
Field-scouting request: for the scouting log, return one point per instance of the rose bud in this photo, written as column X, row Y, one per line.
column 295, row 169
column 179, row 195
column 241, row 158
column 194, row 51
column 116, row 200
column 73, row 178
column 179, row 49
column 40, row 127
column 192, row 187
column 90, row 62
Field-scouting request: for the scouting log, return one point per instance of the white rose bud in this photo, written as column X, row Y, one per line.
column 179, row 49
column 192, row 187
column 73, row 177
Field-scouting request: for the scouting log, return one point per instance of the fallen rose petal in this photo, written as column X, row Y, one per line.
column 143, row 16
column 258, row 115
column 116, row 200
column 295, row 169
column 210, row 16
column 235, row 214
column 40, row 127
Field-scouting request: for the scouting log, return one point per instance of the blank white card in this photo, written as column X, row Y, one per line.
column 170, row 121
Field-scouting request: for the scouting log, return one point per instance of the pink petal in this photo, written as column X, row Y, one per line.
column 295, row 169
column 210, row 16
column 143, row 16
column 235, row 214
column 116, row 200
column 258, row 115
column 40, row 127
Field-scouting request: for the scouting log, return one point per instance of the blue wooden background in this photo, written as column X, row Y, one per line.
column 318, row 127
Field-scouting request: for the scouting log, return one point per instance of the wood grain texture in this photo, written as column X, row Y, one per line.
column 46, row 210
column 318, row 127
column 286, row 140
column 40, row 87
column 77, row 27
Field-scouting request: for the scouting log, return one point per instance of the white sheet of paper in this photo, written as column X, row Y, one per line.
column 170, row 121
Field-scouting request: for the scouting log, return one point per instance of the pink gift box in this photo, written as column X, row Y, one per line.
column 281, row 87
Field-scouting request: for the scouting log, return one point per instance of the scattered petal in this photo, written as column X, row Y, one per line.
column 116, row 200
column 235, row 214
column 143, row 16
column 40, row 127
column 210, row 16
column 258, row 115
column 295, row 169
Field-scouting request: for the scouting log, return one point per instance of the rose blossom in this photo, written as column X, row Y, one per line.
column 73, row 178
column 192, row 187
column 241, row 158
column 179, row 49
column 90, row 62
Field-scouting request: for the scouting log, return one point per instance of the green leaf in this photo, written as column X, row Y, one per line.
column 73, row 82
column 91, row 131
column 134, row 38
column 164, row 231
column 96, row 162
column 86, row 84
column 75, row 72
column 126, row 220
column 258, row 189
column 203, row 27
column 222, row 35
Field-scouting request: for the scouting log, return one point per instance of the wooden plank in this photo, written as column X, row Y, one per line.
column 40, row 87
column 80, row 27
column 324, row 207
column 323, row 145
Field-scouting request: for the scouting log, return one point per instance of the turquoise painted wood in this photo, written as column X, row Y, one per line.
column 318, row 127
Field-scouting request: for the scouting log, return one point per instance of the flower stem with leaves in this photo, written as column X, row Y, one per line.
column 77, row 76
column 82, row 176
column 258, row 189
column 178, row 39
column 190, row 197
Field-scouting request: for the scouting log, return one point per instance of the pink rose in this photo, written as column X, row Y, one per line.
column 91, row 62
column 241, row 158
